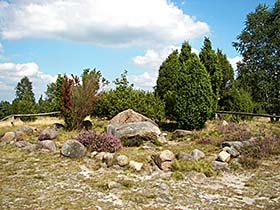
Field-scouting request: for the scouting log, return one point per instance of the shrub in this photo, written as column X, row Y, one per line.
column 204, row 141
column 235, row 132
column 99, row 142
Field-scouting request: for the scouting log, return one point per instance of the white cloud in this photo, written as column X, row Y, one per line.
column 1, row 48
column 152, row 59
column 234, row 61
column 102, row 22
column 11, row 74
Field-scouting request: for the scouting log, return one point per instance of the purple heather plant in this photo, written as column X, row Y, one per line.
column 235, row 132
column 99, row 142
column 204, row 141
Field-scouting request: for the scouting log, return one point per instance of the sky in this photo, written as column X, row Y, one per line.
column 43, row 38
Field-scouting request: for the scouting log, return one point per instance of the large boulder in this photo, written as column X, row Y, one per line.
column 129, row 116
column 48, row 144
column 25, row 129
column 47, row 134
column 145, row 130
column 73, row 149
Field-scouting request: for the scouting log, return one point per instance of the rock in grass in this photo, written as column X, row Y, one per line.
column 73, row 149
column 25, row 129
column 217, row 165
column 47, row 134
column 179, row 133
column 122, row 160
column 48, row 144
column 135, row 165
column 164, row 159
column 9, row 136
column 224, row 156
column 232, row 151
column 197, row 154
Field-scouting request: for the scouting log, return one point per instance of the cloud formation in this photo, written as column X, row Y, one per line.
column 234, row 61
column 102, row 22
column 11, row 74
column 151, row 60
column 1, row 48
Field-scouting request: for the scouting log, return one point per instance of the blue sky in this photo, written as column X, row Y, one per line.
column 42, row 38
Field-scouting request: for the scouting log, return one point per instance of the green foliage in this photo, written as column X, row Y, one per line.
column 194, row 98
column 209, row 59
column 258, row 43
column 78, row 97
column 201, row 166
column 54, row 94
column 237, row 100
column 114, row 101
column 166, row 81
column 5, row 109
column 24, row 103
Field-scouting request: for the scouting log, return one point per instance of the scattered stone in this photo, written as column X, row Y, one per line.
column 108, row 158
column 224, row 156
column 183, row 156
column 99, row 156
column 73, row 149
column 32, row 147
column 143, row 130
column 197, row 154
column 87, row 125
column 48, row 144
column 232, row 151
column 164, row 159
column 180, row 133
column 47, row 134
column 57, row 126
column 129, row 116
column 22, row 144
column 9, row 136
column 113, row 184
column 93, row 154
column 122, row 160
column 162, row 138
column 224, row 123
column 197, row 177
column 163, row 187
column 235, row 144
column 217, row 165
column 135, row 165
column 25, row 129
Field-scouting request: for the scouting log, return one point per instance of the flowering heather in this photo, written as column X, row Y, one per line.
column 235, row 132
column 99, row 142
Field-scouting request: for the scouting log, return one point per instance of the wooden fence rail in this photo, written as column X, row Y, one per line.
column 29, row 115
column 248, row 114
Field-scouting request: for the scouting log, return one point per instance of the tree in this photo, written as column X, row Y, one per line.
column 24, row 90
column 78, row 96
column 194, row 96
column 166, row 81
column 227, row 75
column 259, row 44
column 209, row 59
column 54, row 94
column 5, row 109
column 110, row 103
column 24, row 103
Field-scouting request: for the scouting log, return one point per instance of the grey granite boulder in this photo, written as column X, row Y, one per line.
column 73, row 149
column 47, row 134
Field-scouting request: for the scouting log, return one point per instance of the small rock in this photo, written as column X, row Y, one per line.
column 224, row 123
column 9, row 136
column 22, row 144
column 93, row 154
column 47, row 134
column 236, row 144
column 183, row 156
column 135, row 165
column 217, row 165
column 197, row 154
column 180, row 133
column 73, row 149
column 48, row 144
column 57, row 126
column 122, row 160
column 32, row 147
column 197, row 178
column 163, row 159
column 232, row 151
column 162, row 138
column 113, row 184
column 108, row 158
column 25, row 129
column 163, row 187
column 224, row 156
column 99, row 156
